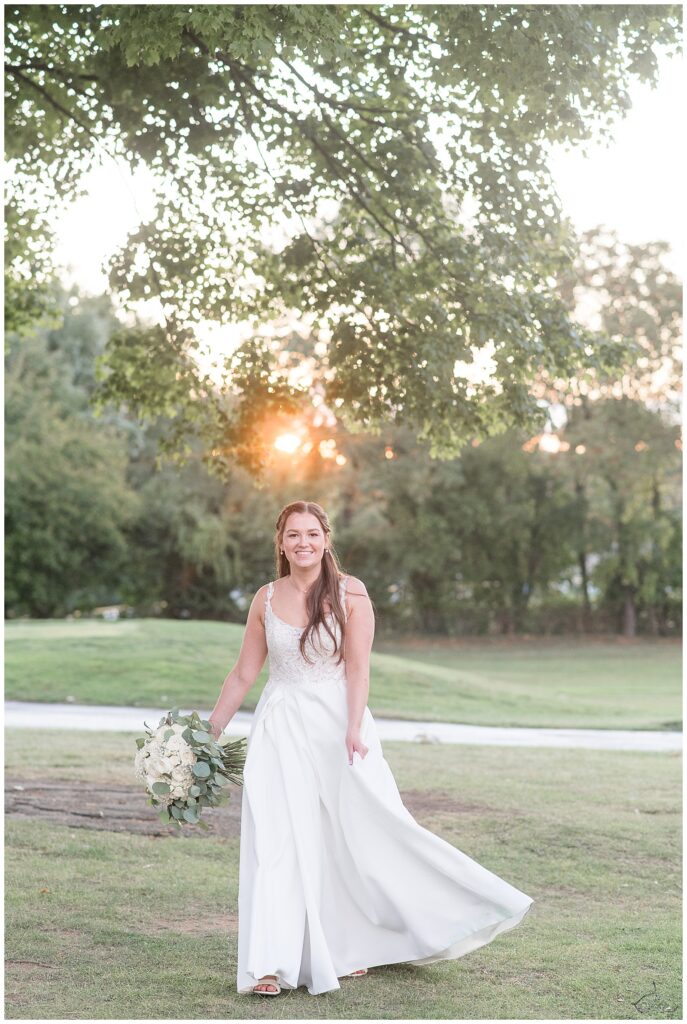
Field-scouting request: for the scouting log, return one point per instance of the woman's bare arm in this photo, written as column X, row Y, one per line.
column 360, row 631
column 247, row 668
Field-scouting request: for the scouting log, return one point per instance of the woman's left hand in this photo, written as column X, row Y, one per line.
column 353, row 743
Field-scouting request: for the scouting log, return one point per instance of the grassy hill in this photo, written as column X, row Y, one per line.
column 528, row 681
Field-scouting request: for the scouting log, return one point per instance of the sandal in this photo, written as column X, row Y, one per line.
column 356, row 974
column 271, row 980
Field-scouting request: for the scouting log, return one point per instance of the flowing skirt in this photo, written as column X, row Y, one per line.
column 335, row 874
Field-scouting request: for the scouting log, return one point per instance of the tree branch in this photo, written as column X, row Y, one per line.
column 389, row 26
column 339, row 104
column 69, row 114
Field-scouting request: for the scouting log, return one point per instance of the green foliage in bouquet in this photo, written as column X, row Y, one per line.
column 185, row 768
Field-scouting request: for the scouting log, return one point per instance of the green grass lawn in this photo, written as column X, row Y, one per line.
column 119, row 925
column 536, row 682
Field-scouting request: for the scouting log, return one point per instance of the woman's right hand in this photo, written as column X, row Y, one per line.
column 215, row 729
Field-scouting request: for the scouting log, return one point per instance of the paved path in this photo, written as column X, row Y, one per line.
column 28, row 715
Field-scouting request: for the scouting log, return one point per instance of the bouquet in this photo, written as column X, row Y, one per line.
column 185, row 768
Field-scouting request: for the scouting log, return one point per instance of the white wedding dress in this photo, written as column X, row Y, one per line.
column 335, row 874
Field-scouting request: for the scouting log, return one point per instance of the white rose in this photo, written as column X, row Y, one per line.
column 159, row 765
column 176, row 743
column 182, row 774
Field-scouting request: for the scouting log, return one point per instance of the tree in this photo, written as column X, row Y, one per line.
column 626, row 460
column 629, row 509
column 198, row 545
column 67, row 501
column 516, row 521
column 456, row 546
column 630, row 295
column 323, row 158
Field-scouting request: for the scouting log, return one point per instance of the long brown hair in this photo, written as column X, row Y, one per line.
column 327, row 583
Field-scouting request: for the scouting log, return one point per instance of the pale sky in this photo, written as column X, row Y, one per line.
column 633, row 185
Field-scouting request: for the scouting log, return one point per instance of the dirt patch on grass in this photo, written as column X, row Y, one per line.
column 110, row 808
column 424, row 803
column 124, row 808
column 201, row 924
column 66, row 933
column 29, row 965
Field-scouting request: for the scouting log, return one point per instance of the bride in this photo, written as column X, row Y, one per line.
column 335, row 875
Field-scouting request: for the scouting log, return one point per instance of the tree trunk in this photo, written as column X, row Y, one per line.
column 653, row 620
column 629, row 615
column 581, row 495
column 652, row 610
column 586, row 603
column 508, row 622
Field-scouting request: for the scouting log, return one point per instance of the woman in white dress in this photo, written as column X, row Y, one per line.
column 335, row 875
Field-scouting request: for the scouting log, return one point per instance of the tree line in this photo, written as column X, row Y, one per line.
column 513, row 535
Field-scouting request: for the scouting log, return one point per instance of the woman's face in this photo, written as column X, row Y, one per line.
column 303, row 539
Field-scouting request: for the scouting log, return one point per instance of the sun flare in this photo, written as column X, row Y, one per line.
column 288, row 443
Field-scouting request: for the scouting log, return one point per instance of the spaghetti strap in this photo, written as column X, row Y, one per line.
column 270, row 591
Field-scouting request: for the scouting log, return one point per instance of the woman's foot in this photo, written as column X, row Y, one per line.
column 357, row 974
column 265, row 986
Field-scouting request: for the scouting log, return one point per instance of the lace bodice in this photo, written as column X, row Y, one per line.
column 286, row 662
